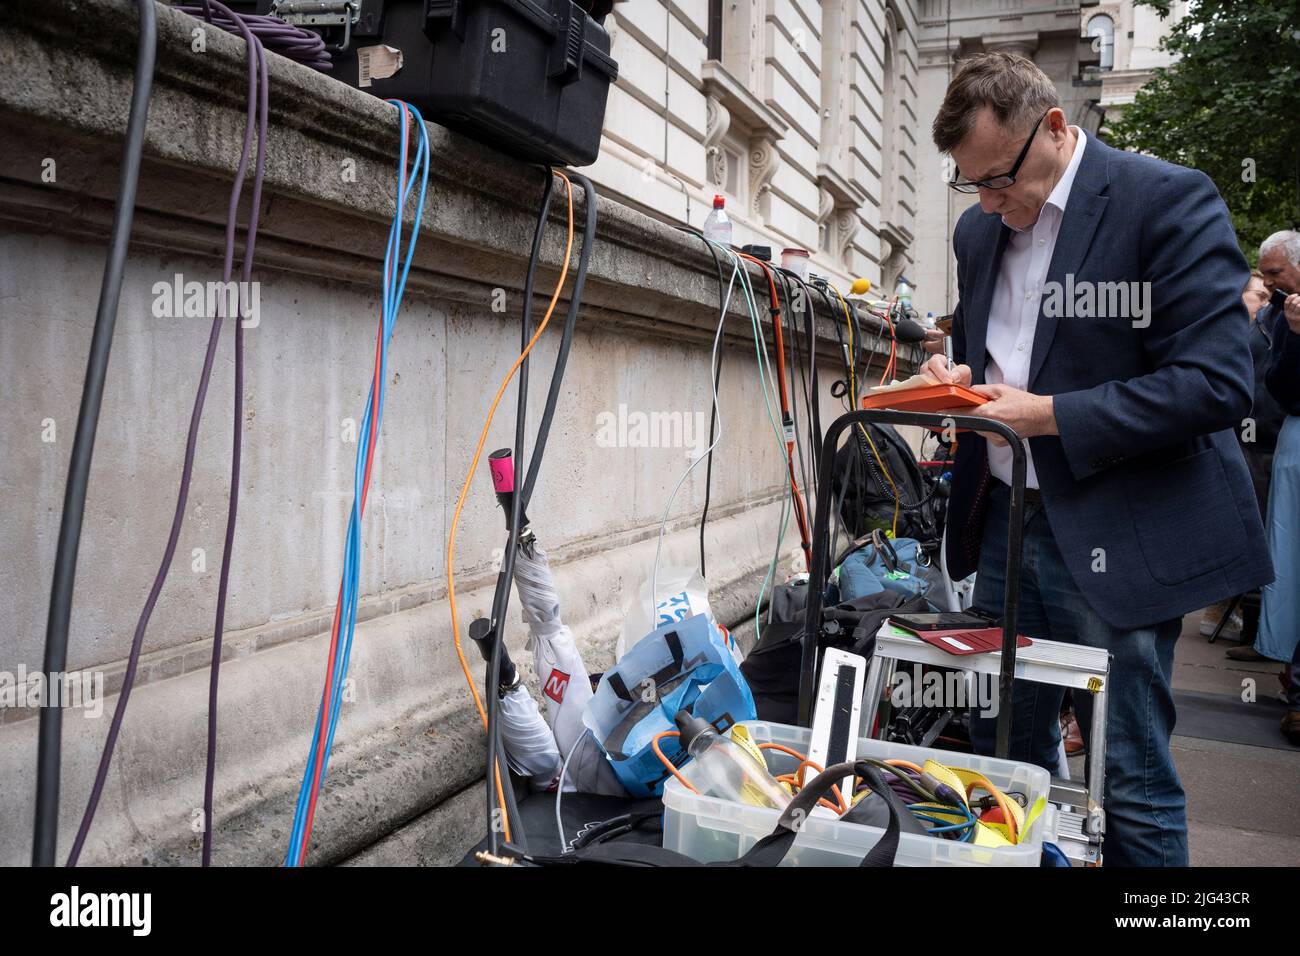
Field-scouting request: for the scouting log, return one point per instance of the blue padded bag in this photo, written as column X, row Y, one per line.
column 681, row 665
column 883, row 564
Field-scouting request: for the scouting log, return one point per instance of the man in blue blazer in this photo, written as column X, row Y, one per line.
column 1101, row 313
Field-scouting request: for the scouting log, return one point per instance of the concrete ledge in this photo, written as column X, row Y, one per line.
column 476, row 221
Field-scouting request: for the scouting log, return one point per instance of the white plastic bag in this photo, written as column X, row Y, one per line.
column 682, row 593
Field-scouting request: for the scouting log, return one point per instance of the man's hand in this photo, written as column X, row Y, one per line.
column 1028, row 414
column 1291, row 309
column 936, row 369
column 933, row 341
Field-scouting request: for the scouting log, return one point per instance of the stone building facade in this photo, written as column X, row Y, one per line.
column 803, row 114
column 1049, row 33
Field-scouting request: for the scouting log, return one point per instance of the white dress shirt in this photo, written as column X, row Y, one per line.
column 1017, row 293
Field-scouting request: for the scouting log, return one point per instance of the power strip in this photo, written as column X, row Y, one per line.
column 837, row 714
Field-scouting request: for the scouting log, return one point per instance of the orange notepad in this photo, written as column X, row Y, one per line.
column 926, row 398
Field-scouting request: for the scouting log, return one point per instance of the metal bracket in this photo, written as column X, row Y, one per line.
column 320, row 13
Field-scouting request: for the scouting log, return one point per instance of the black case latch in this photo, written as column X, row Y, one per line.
column 565, row 65
column 445, row 14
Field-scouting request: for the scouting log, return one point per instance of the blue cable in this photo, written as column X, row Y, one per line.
column 393, row 293
column 968, row 825
column 945, row 827
column 352, row 558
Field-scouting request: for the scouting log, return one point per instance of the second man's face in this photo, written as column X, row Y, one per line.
column 1278, row 273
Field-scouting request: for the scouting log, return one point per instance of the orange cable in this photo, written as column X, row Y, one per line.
column 464, row 491
column 654, row 745
column 984, row 784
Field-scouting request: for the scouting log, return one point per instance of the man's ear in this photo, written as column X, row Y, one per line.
column 1056, row 121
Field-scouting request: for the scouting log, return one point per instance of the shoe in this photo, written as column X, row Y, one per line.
column 1245, row 653
column 1291, row 726
column 1071, row 735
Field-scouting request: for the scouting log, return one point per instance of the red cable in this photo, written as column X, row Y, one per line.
column 323, row 731
column 801, row 515
column 891, row 367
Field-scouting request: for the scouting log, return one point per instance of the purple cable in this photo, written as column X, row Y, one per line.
column 286, row 39
column 257, row 112
column 256, row 51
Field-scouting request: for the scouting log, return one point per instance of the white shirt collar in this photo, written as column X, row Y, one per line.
column 1060, row 194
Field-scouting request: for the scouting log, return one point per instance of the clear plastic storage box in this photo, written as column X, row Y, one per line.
column 708, row 829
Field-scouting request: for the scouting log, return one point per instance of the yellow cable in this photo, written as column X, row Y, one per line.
column 464, row 491
column 853, row 361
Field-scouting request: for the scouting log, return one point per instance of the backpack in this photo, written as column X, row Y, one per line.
column 867, row 500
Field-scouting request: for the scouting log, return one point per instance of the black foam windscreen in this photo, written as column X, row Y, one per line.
column 909, row 332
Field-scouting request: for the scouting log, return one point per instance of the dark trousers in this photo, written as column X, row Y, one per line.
column 1146, row 810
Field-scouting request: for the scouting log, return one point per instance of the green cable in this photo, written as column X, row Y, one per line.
column 767, row 386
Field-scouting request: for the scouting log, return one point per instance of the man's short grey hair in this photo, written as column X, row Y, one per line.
column 1288, row 241
column 1013, row 87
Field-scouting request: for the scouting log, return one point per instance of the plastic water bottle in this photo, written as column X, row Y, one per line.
column 929, row 320
column 903, row 292
column 722, row 768
column 717, row 228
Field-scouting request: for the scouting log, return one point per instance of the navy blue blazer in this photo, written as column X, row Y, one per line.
column 1146, row 467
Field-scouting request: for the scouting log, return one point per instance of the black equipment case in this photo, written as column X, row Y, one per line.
column 529, row 77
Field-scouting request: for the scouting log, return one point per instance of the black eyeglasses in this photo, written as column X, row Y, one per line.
column 997, row 182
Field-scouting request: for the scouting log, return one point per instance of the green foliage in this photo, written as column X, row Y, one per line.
column 1230, row 107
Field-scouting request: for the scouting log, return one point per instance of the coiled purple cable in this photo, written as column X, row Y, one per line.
column 290, row 41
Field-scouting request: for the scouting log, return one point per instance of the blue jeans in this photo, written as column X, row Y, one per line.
column 1146, row 811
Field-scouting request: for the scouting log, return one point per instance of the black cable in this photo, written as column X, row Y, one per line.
column 566, row 342
column 804, row 453
column 496, row 768
column 811, row 385
column 501, row 598
column 845, row 356
column 713, row 408
column 851, row 402
column 49, row 744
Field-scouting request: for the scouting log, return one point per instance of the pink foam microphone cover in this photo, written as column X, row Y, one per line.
column 503, row 471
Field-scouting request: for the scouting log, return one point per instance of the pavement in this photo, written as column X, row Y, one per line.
column 1243, row 802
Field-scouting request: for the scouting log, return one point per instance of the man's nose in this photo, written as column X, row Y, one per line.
column 1269, row 284
column 990, row 199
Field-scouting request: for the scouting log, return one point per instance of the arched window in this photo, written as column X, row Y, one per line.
column 1102, row 29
